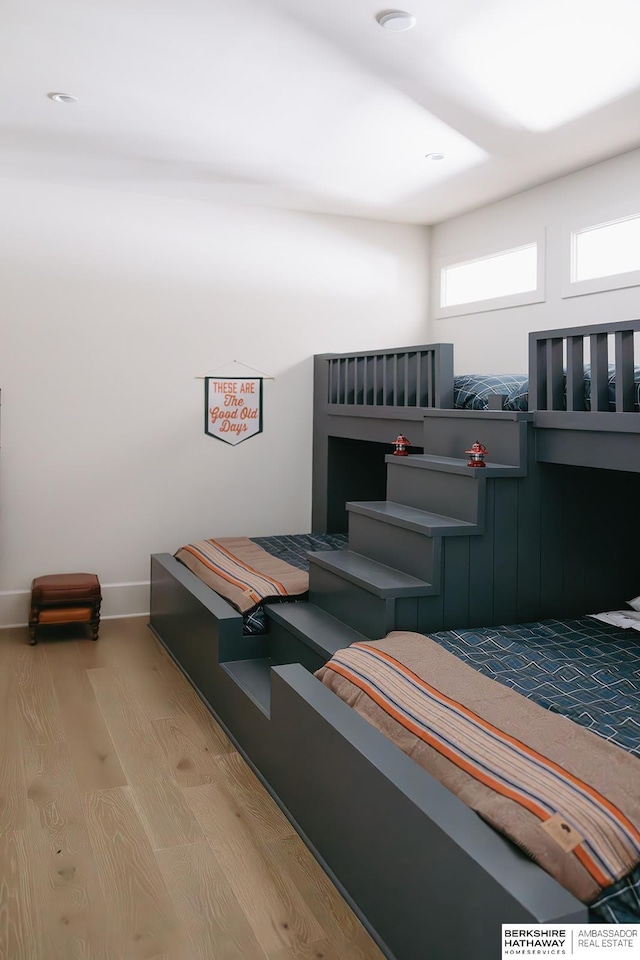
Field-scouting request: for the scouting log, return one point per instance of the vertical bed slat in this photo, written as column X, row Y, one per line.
column 537, row 373
column 429, row 382
column 385, row 382
column 394, row 393
column 441, row 356
column 624, row 361
column 555, row 374
column 599, row 371
column 405, row 398
column 575, row 373
column 410, row 382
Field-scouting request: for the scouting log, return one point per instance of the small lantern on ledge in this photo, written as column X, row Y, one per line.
column 477, row 453
column 401, row 443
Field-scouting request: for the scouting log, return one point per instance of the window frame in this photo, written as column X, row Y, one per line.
column 609, row 281
column 535, row 238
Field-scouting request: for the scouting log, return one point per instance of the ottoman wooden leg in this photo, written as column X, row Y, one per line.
column 95, row 622
column 32, row 634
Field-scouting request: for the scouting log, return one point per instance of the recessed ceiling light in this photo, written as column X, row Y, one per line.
column 62, row 97
column 435, row 156
column 396, row 20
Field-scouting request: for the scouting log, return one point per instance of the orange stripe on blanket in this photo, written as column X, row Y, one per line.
column 587, row 788
column 279, row 587
column 469, row 766
column 222, row 574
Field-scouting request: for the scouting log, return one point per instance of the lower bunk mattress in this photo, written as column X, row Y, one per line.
column 538, row 732
column 248, row 572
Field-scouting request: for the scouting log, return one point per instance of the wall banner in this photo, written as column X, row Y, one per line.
column 232, row 408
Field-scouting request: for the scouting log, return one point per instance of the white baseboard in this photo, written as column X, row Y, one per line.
column 118, row 600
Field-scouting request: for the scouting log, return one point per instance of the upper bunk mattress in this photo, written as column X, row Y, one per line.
column 472, row 391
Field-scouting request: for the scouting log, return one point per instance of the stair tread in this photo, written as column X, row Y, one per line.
column 428, row 461
column 410, row 516
column 318, row 629
column 375, row 577
column 254, row 677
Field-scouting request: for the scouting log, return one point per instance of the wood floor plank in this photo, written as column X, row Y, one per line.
column 160, row 686
column 321, row 950
column 93, row 754
column 65, row 881
column 13, row 793
column 37, row 699
column 247, row 796
column 169, row 819
column 18, row 906
column 191, row 752
column 337, row 919
column 150, row 671
column 207, row 905
column 136, row 900
column 191, row 705
column 279, row 916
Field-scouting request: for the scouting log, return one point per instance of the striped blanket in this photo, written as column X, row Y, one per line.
column 566, row 797
column 242, row 572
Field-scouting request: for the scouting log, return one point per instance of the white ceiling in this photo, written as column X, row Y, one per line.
column 311, row 105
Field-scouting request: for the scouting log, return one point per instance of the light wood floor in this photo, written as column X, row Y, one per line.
column 129, row 826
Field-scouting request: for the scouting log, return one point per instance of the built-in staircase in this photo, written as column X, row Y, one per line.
column 410, row 565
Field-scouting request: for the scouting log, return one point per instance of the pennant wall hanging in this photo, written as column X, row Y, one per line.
column 233, row 406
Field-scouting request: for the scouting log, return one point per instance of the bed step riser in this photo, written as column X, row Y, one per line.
column 450, row 494
column 309, row 627
column 286, row 647
column 505, row 438
column 372, row 616
column 406, row 550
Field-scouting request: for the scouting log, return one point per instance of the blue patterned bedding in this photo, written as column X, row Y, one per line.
column 586, row 670
column 292, row 548
column 471, row 392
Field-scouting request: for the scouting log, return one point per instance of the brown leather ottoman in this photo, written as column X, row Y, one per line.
column 65, row 598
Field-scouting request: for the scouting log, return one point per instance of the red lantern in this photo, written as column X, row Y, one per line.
column 477, row 454
column 401, row 443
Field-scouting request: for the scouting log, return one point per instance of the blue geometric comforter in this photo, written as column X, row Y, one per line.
column 586, row 670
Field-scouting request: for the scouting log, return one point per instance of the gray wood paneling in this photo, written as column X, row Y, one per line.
column 456, row 577
column 529, row 542
column 481, row 560
column 505, row 550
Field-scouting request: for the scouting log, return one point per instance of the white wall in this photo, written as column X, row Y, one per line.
column 496, row 341
column 110, row 304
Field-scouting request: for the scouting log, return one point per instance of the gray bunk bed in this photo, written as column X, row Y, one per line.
column 549, row 525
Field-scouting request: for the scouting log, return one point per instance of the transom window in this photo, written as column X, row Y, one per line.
column 605, row 249
column 503, row 279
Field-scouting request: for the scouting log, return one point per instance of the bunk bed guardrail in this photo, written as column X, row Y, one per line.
column 418, row 377
column 586, row 377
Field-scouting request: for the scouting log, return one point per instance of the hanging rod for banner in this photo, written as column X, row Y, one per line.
column 265, row 376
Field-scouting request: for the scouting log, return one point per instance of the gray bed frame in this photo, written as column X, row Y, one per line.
column 548, row 527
